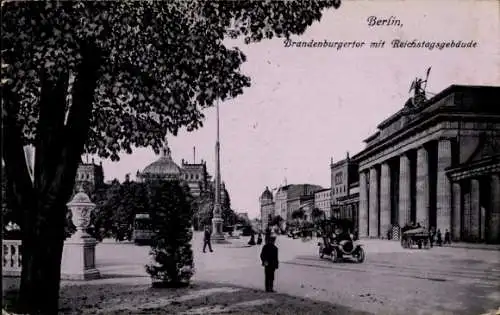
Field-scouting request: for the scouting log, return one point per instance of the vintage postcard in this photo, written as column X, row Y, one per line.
column 251, row 157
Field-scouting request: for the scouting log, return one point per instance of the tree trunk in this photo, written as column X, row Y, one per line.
column 59, row 147
column 41, row 259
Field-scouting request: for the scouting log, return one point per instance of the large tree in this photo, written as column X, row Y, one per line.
column 298, row 214
column 104, row 77
column 317, row 214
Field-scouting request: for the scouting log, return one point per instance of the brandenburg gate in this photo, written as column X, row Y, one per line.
column 435, row 162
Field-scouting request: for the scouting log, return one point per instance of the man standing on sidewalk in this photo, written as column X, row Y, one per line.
column 269, row 258
column 206, row 240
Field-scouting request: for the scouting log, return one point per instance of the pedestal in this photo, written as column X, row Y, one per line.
column 217, row 235
column 78, row 260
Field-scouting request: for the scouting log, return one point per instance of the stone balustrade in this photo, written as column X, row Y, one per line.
column 11, row 258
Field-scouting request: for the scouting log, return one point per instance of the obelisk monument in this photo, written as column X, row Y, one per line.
column 217, row 233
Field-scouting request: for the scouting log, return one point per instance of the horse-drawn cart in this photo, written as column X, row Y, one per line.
column 419, row 237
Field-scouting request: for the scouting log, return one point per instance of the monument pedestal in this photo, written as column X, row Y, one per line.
column 234, row 236
column 217, row 235
column 78, row 259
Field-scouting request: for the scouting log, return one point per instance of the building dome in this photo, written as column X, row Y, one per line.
column 267, row 194
column 163, row 168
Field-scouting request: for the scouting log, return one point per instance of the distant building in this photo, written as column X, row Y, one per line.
column 345, row 198
column 348, row 206
column 89, row 176
column 280, row 201
column 304, row 202
column 323, row 201
column 436, row 162
column 196, row 176
column 266, row 207
column 292, row 197
column 163, row 168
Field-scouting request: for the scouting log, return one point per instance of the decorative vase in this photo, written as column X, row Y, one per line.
column 81, row 207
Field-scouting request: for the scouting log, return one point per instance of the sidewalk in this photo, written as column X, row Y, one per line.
column 493, row 247
column 480, row 246
column 199, row 298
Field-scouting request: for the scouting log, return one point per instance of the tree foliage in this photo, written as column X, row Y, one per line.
column 132, row 200
column 317, row 214
column 228, row 215
column 171, row 222
column 116, row 207
column 159, row 63
column 100, row 218
column 275, row 220
column 298, row 214
column 205, row 205
column 102, row 77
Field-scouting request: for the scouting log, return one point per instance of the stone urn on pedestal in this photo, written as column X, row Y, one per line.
column 78, row 260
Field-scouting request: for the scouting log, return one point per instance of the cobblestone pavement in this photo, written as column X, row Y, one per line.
column 392, row 280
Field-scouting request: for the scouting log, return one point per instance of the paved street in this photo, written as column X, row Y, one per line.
column 391, row 281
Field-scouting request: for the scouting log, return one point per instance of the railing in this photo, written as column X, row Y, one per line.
column 11, row 258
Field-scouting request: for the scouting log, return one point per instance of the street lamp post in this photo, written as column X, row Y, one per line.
column 217, row 233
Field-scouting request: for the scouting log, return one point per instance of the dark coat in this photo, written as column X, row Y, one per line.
column 207, row 236
column 269, row 256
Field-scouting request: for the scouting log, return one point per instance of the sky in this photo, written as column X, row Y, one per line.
column 307, row 105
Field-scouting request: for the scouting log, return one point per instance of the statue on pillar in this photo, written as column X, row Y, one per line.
column 418, row 87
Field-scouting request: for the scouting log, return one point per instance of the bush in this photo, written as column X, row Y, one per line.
column 171, row 215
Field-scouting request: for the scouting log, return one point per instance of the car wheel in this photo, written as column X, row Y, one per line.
column 335, row 255
column 361, row 255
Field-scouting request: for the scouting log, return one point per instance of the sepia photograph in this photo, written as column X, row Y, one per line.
column 250, row 157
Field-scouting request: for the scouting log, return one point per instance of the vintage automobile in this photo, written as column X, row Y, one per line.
column 293, row 233
column 416, row 237
column 337, row 250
